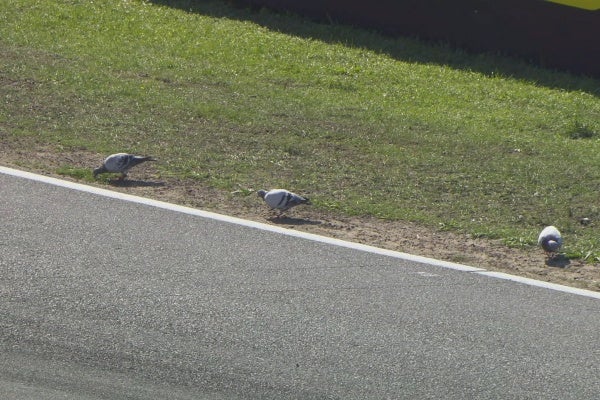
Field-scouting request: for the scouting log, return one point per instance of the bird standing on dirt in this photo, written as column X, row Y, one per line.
column 281, row 199
column 120, row 163
column 550, row 240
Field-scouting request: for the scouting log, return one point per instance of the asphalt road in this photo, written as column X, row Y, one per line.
column 102, row 298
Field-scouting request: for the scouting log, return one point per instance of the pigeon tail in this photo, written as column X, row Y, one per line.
column 136, row 160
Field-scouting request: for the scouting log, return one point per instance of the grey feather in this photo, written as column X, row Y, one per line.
column 121, row 163
column 550, row 239
column 281, row 199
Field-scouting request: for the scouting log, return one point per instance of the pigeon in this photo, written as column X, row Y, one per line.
column 281, row 199
column 120, row 163
column 551, row 240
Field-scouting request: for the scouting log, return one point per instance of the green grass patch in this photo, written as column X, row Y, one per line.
column 363, row 124
column 74, row 172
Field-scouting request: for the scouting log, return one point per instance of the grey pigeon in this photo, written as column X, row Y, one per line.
column 550, row 240
column 120, row 163
column 281, row 199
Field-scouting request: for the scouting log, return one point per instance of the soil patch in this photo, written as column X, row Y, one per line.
column 400, row 236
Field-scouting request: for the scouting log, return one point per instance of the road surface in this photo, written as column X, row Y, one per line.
column 103, row 298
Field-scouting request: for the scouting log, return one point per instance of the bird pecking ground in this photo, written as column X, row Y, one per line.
column 400, row 236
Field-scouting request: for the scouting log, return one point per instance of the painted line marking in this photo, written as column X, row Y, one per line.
column 290, row 232
column 428, row 274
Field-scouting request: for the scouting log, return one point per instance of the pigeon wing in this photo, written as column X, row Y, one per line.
column 282, row 199
column 122, row 162
column 119, row 162
column 276, row 198
column 294, row 200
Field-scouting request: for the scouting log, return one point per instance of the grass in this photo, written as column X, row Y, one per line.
column 363, row 124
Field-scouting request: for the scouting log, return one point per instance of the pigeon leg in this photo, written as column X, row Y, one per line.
column 278, row 214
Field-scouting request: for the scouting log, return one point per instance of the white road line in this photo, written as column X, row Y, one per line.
column 290, row 232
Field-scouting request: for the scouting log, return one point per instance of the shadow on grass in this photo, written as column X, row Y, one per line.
column 135, row 183
column 292, row 221
column 558, row 261
column 400, row 48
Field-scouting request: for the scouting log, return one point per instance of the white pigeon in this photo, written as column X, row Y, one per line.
column 120, row 163
column 550, row 240
column 281, row 199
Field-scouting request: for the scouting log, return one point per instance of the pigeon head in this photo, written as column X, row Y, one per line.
column 261, row 193
column 99, row 170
